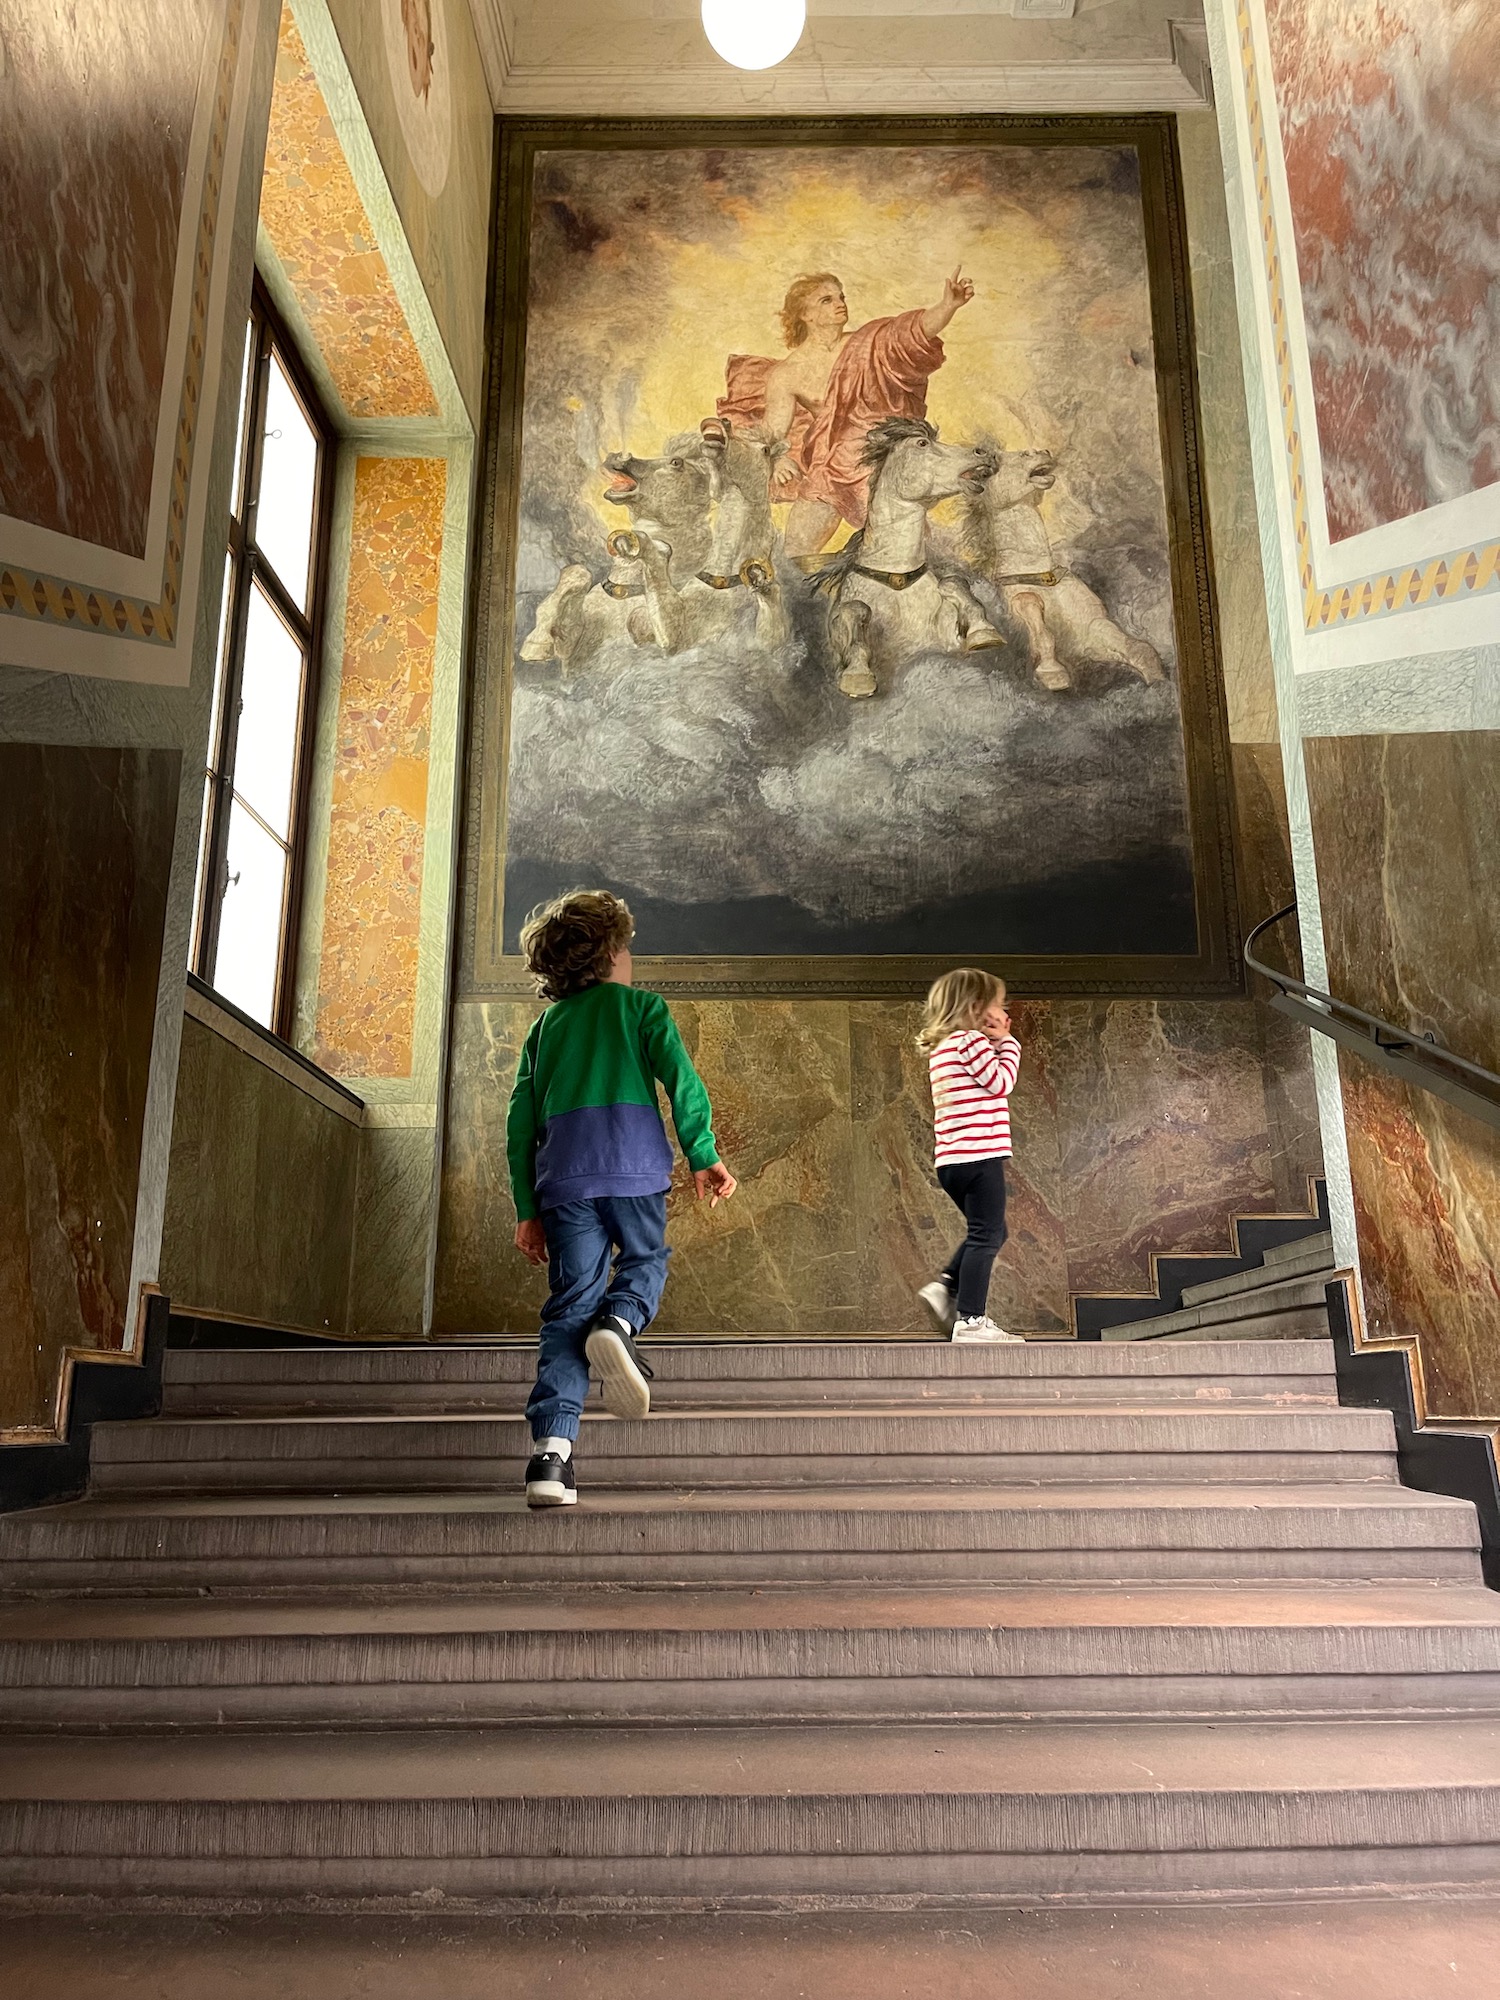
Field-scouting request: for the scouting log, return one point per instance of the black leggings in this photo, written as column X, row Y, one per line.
column 978, row 1186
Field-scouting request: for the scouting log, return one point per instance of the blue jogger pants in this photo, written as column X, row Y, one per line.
column 582, row 1239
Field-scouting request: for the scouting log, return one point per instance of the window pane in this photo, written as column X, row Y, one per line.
column 270, row 701
column 288, row 486
column 221, row 665
column 205, row 833
column 236, row 498
column 250, row 926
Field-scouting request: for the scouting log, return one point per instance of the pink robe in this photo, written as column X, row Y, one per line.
column 881, row 371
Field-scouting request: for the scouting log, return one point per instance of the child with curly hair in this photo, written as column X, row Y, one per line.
column 590, row 1165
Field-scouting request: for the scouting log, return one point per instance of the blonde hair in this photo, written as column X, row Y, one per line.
column 958, row 1000
column 794, row 306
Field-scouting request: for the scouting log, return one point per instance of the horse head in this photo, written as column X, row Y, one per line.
column 908, row 460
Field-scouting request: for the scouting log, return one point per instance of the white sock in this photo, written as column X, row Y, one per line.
column 562, row 1446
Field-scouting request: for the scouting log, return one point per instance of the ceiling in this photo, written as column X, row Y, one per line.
column 639, row 57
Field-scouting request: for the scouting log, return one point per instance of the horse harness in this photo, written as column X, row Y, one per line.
column 755, row 573
column 893, row 579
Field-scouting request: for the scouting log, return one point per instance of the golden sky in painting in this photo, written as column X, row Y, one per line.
column 1060, row 319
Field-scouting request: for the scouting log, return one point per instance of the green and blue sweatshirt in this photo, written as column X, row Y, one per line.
column 583, row 1117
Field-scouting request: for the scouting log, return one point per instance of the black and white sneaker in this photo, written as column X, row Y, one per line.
column 615, row 1359
column 550, row 1481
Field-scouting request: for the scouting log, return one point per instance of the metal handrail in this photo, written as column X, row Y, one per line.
column 1418, row 1059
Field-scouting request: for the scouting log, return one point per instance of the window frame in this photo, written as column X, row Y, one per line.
column 246, row 566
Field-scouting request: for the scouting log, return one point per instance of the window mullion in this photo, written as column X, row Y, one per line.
column 276, row 590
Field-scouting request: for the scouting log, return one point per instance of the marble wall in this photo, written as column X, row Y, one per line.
column 434, row 131
column 1407, row 833
column 317, row 224
column 372, row 892
column 261, row 1193
column 1386, row 119
column 1139, row 1127
column 85, row 855
column 94, row 186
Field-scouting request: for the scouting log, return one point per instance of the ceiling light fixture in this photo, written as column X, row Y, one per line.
column 754, row 34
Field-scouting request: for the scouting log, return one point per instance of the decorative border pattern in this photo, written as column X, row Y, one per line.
column 61, row 601
column 1461, row 573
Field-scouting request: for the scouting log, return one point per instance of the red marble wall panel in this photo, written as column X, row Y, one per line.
column 85, row 855
column 1387, row 115
column 96, row 117
column 1407, row 835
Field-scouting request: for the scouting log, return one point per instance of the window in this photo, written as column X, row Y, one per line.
column 253, row 795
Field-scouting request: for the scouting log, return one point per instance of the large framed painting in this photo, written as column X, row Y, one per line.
column 846, row 600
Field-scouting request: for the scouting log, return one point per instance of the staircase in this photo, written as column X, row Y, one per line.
column 861, row 1622
column 1283, row 1297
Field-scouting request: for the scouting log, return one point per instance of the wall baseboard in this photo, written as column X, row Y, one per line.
column 1432, row 1458
column 102, row 1391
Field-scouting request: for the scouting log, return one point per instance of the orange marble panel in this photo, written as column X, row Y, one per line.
column 367, row 981
column 319, row 229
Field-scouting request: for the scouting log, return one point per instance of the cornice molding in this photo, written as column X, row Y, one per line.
column 878, row 89
column 495, row 32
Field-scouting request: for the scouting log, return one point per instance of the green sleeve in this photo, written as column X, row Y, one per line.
column 521, row 1128
column 692, row 1113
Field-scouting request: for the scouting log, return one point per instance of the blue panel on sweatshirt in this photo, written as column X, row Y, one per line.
column 602, row 1149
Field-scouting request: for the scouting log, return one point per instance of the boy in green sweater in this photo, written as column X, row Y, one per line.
column 590, row 1165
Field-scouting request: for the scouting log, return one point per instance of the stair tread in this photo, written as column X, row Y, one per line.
column 1259, row 1278
column 893, row 1498
column 1321, row 1242
column 1264, row 1309
column 542, row 1764
column 1003, row 1608
column 1220, row 1415
column 679, row 1359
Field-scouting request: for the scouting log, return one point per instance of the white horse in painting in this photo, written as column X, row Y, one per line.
column 890, row 601
column 1005, row 539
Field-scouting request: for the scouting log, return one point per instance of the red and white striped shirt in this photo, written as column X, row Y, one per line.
column 972, row 1079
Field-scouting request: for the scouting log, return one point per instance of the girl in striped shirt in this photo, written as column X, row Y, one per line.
column 973, row 1058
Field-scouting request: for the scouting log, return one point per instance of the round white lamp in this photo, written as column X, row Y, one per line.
column 754, row 34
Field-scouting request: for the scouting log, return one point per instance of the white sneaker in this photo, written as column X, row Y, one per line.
column 983, row 1329
column 939, row 1302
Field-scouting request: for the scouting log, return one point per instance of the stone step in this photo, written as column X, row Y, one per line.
column 1352, row 1948
column 1283, row 1254
column 795, row 1374
column 738, row 1815
column 1295, row 1309
column 1301, row 1279
column 1370, row 1532
column 745, row 1655
column 742, row 1449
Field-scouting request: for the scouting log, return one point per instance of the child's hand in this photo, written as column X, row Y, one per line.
column 717, row 1182
column 531, row 1240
